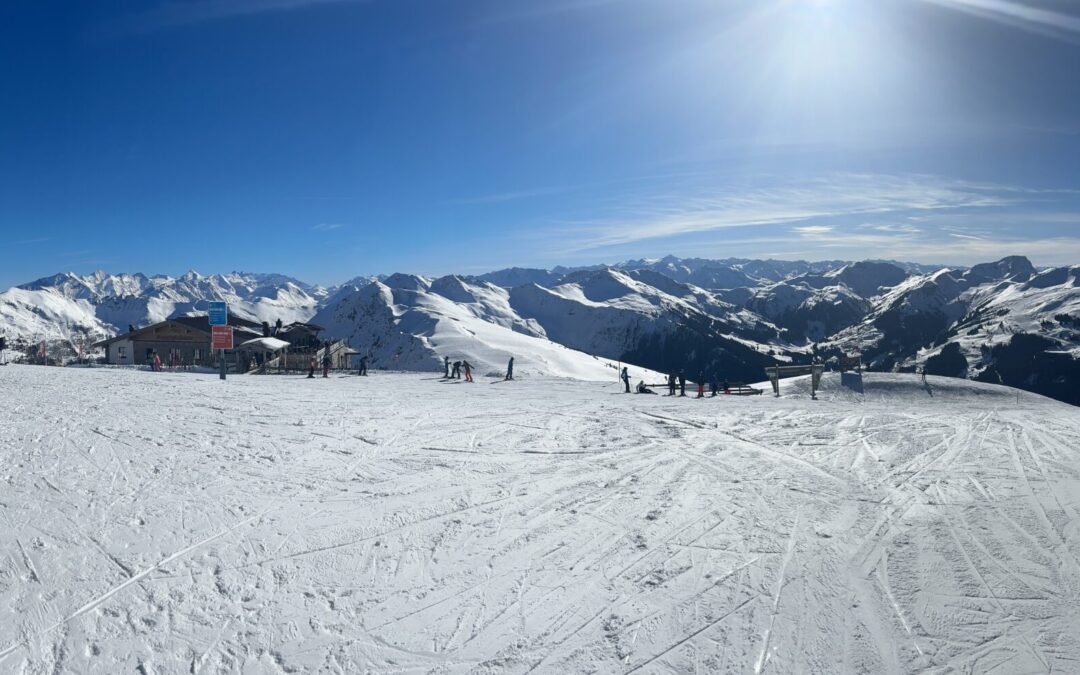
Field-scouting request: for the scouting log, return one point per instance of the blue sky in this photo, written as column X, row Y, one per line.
column 332, row 138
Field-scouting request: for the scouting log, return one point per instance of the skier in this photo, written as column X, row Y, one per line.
column 671, row 384
column 455, row 374
column 311, row 367
column 626, row 378
column 363, row 366
column 446, row 367
column 510, row 369
column 468, row 370
column 727, row 389
column 714, row 386
column 701, row 385
column 157, row 363
column 326, row 364
column 682, row 383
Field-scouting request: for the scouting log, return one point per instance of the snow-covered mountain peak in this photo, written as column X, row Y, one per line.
column 409, row 282
column 1015, row 268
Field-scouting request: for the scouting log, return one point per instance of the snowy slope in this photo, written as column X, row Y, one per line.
column 730, row 317
column 28, row 316
column 124, row 299
column 412, row 322
column 985, row 305
column 398, row 524
column 409, row 322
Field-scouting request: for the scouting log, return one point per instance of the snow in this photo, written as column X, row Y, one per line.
column 48, row 314
column 396, row 523
column 411, row 327
column 102, row 304
column 268, row 343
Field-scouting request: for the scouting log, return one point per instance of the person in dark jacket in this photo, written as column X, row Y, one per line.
column 446, row 367
column 701, row 385
column 456, row 372
column 326, row 365
column 643, row 388
column 467, row 367
column 671, row 384
column 311, row 367
column 714, row 386
column 510, row 369
column 626, row 378
column 727, row 387
column 682, row 383
column 363, row 366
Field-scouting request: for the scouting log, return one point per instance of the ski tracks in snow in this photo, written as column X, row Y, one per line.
column 382, row 523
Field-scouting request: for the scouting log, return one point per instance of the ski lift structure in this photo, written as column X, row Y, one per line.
column 815, row 371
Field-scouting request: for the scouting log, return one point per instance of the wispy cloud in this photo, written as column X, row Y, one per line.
column 796, row 203
column 1027, row 16
column 812, row 230
column 327, row 227
column 174, row 14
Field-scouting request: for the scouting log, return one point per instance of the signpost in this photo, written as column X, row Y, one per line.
column 220, row 331
column 219, row 314
column 221, row 337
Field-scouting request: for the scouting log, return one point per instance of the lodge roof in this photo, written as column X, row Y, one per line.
column 197, row 323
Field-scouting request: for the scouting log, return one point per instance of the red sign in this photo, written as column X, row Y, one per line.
column 221, row 337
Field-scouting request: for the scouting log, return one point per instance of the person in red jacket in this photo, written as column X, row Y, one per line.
column 157, row 363
column 467, row 367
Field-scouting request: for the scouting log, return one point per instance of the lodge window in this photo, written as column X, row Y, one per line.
column 121, row 351
column 197, row 355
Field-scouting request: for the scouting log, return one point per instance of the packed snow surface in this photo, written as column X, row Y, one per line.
column 158, row 522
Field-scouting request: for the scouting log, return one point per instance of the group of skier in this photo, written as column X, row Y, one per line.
column 453, row 371
column 313, row 362
column 676, row 384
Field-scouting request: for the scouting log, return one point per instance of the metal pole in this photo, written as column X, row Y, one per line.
column 222, row 364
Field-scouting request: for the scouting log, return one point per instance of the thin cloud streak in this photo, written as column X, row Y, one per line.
column 835, row 196
column 1044, row 21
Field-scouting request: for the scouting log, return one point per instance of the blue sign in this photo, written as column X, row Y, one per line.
column 219, row 314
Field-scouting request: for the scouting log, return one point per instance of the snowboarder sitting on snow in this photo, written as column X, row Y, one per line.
column 643, row 389
column 455, row 374
column 510, row 369
column 468, row 370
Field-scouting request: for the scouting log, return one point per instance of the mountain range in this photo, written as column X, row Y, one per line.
column 1005, row 321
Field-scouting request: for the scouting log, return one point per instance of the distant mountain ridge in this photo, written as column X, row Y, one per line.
column 732, row 316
